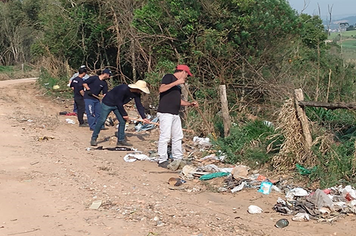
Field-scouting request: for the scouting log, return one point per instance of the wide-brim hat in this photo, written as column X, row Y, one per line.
column 141, row 85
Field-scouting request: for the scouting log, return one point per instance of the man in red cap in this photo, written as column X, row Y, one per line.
column 168, row 114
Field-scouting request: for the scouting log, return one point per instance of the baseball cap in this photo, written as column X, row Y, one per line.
column 107, row 71
column 184, row 68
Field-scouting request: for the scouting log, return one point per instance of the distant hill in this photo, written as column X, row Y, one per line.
column 335, row 23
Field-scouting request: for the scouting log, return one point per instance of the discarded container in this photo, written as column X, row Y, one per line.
column 265, row 187
column 252, row 209
column 282, row 223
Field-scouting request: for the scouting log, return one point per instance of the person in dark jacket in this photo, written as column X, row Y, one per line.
column 77, row 86
column 114, row 101
column 95, row 85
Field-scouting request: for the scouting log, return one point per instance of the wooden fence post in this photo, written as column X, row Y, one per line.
column 225, row 110
column 302, row 117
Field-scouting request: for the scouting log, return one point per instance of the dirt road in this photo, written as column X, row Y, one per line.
column 49, row 179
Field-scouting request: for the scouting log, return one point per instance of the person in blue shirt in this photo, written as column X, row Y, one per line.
column 114, row 101
column 95, row 85
column 77, row 86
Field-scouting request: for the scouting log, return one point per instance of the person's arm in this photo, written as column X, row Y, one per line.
column 139, row 107
column 191, row 104
column 165, row 86
column 85, row 85
column 105, row 89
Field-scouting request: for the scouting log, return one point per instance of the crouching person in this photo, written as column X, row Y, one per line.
column 114, row 101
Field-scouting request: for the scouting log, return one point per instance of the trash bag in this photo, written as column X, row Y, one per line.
column 304, row 171
column 213, row 175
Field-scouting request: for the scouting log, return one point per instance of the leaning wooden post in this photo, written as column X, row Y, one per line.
column 225, row 110
column 302, row 117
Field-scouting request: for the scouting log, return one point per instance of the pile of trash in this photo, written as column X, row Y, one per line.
column 322, row 205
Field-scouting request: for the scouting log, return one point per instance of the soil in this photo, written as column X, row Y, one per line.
column 50, row 177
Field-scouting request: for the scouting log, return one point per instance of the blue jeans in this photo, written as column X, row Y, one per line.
column 93, row 110
column 105, row 111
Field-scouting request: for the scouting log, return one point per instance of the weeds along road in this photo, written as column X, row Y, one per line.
column 49, row 179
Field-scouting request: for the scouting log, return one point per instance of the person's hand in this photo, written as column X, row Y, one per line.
column 125, row 117
column 181, row 81
column 90, row 93
column 146, row 121
column 194, row 104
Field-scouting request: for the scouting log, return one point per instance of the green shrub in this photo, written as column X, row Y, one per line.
column 47, row 81
column 248, row 143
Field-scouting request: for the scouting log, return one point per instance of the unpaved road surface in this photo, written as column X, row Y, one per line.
column 49, row 179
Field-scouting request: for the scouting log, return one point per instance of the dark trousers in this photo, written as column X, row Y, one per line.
column 79, row 102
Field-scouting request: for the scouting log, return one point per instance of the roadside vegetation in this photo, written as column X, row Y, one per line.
column 261, row 50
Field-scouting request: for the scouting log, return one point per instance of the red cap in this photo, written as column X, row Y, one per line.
column 185, row 68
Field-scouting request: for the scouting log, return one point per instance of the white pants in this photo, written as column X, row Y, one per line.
column 170, row 127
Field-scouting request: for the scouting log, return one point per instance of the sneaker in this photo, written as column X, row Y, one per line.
column 123, row 143
column 93, row 142
column 84, row 125
column 164, row 164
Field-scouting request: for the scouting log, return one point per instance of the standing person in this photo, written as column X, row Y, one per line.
column 77, row 85
column 168, row 114
column 94, row 85
column 114, row 101
column 86, row 76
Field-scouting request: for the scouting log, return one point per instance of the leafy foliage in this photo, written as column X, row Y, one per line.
column 248, row 143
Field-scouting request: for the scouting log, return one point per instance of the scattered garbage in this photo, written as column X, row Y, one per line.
column 115, row 148
column 55, row 87
column 95, row 205
column 320, row 199
column 188, row 171
column 304, row 171
column 202, row 142
column 132, row 157
column 239, row 187
column 301, row 217
column 109, row 122
column 240, row 171
column 44, row 138
column 214, row 175
column 252, row 209
column 69, row 121
column 213, row 157
column 282, row 223
column 139, row 127
column 176, row 181
column 265, row 187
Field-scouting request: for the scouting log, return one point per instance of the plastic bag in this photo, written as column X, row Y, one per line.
column 265, row 187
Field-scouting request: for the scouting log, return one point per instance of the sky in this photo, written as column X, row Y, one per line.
column 340, row 8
